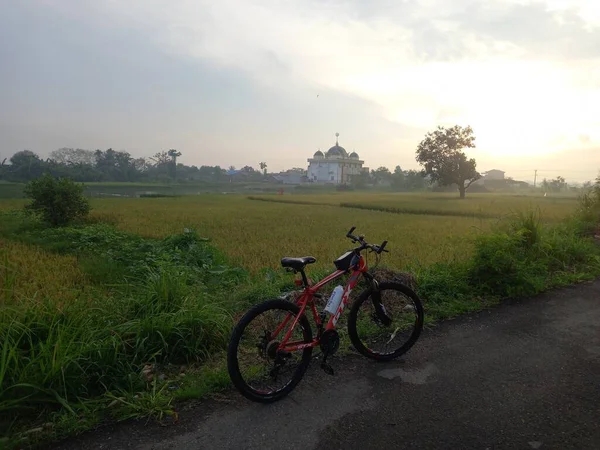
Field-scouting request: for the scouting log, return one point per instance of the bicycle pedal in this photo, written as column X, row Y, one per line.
column 327, row 369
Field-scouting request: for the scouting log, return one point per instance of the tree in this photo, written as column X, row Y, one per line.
column 25, row 165
column 442, row 157
column 545, row 185
column 73, row 156
column 161, row 158
column 173, row 154
column 414, row 180
column 161, row 165
column 360, row 180
column 141, row 165
column 115, row 166
column 263, row 167
column 58, row 200
column 398, row 179
column 556, row 185
column 382, row 175
column 218, row 173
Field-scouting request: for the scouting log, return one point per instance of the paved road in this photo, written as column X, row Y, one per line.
column 524, row 375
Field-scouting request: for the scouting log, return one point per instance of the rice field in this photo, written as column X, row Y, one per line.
column 420, row 228
column 551, row 208
column 257, row 234
column 30, row 274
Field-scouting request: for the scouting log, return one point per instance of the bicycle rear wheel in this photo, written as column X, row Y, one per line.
column 256, row 368
column 372, row 336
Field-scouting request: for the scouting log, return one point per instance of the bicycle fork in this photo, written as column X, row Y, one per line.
column 380, row 312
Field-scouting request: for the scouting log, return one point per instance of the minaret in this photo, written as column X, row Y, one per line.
column 337, row 135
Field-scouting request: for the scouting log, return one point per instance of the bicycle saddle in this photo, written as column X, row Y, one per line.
column 297, row 263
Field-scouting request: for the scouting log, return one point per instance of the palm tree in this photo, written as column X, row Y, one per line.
column 174, row 154
column 263, row 167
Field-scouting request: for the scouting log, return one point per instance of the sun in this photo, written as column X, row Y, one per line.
column 525, row 111
column 501, row 137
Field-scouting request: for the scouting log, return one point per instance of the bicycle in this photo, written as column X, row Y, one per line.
column 277, row 350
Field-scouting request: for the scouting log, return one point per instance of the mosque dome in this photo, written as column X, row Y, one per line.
column 337, row 150
column 353, row 155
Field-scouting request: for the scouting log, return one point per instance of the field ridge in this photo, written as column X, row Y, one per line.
column 408, row 208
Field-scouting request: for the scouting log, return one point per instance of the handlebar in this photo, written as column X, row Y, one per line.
column 364, row 245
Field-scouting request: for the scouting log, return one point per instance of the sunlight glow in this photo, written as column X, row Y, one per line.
column 521, row 97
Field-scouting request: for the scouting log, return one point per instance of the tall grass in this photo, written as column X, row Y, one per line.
column 519, row 257
column 63, row 351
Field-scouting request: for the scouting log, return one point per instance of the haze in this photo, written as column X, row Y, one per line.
column 236, row 82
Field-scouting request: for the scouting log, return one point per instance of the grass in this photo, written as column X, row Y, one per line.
column 30, row 274
column 73, row 336
column 127, row 313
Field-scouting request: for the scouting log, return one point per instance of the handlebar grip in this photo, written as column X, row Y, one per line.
column 350, row 232
column 382, row 246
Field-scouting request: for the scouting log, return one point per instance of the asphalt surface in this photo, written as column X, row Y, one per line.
column 523, row 375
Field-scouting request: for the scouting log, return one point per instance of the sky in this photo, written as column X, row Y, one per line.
column 237, row 82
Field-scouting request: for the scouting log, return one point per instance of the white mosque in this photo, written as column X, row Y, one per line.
column 334, row 167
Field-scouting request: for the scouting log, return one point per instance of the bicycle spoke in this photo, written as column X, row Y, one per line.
column 378, row 337
column 261, row 366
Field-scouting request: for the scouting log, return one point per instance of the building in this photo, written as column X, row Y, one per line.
column 292, row 176
column 494, row 174
column 335, row 166
column 490, row 175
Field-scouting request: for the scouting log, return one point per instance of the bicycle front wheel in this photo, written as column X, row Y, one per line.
column 256, row 368
column 385, row 334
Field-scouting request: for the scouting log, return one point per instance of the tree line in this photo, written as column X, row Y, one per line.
column 445, row 166
column 105, row 165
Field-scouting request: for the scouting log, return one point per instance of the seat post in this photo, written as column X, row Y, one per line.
column 304, row 279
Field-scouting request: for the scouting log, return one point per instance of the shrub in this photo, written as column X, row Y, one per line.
column 59, row 201
column 505, row 265
column 174, row 309
column 588, row 213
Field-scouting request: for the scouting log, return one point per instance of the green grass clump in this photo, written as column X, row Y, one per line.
column 111, row 256
column 168, row 304
column 520, row 257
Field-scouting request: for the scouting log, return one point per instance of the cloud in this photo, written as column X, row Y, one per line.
column 413, row 59
column 539, row 30
column 525, row 74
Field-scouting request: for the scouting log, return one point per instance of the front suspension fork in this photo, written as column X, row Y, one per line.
column 380, row 311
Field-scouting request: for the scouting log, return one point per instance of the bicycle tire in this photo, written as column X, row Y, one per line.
column 352, row 322
column 232, row 359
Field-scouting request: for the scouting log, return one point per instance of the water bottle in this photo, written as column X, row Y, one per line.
column 335, row 299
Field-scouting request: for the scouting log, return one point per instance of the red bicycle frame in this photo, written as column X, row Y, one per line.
column 307, row 298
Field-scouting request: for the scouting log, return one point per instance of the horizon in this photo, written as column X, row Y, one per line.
column 236, row 83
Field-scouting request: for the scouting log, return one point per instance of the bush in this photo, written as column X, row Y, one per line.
column 175, row 308
column 588, row 214
column 520, row 257
column 59, row 201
